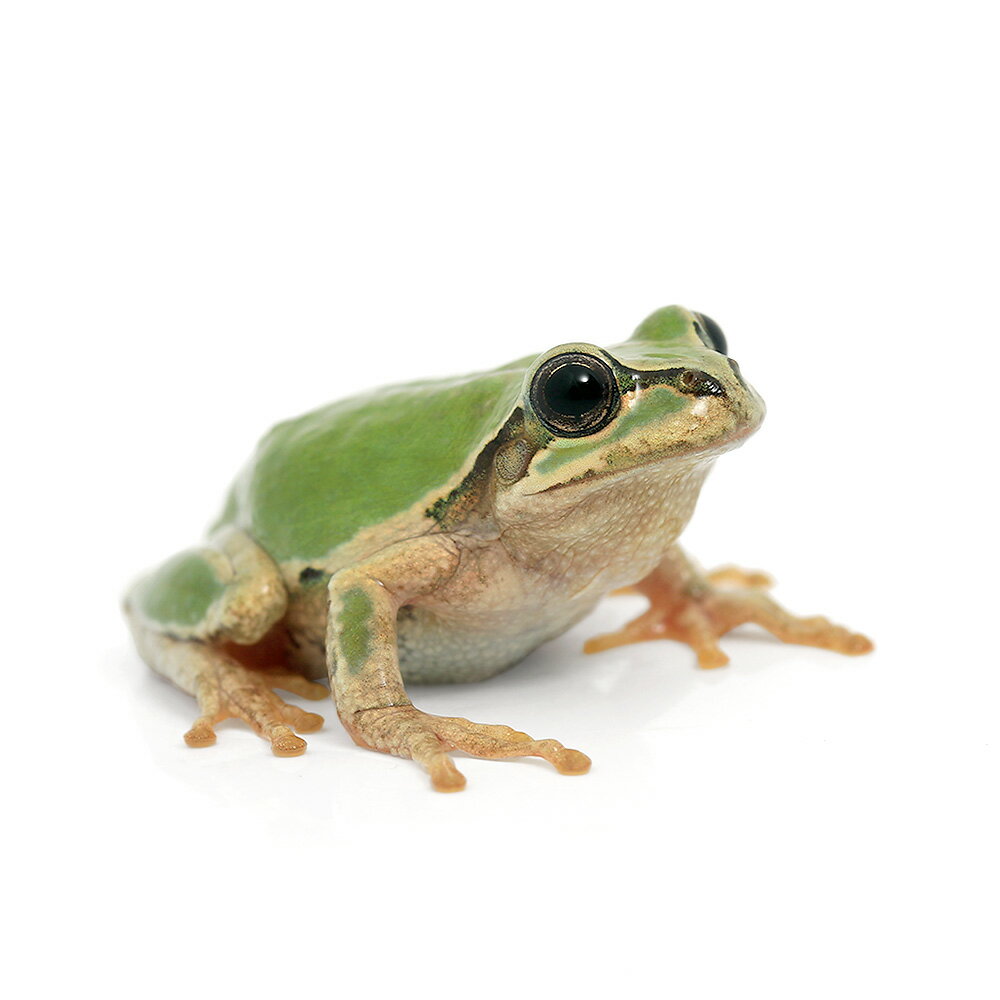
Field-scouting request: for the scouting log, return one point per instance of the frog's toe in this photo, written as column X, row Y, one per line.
column 857, row 644
column 302, row 721
column 568, row 761
column 297, row 684
column 709, row 653
column 497, row 742
column 814, row 630
column 734, row 576
column 201, row 734
column 649, row 625
column 284, row 743
column 428, row 739
column 821, row 632
column 696, row 632
column 445, row 777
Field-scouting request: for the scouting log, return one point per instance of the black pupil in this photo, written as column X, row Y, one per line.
column 717, row 339
column 574, row 390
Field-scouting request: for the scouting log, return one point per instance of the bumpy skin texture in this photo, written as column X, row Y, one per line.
column 441, row 531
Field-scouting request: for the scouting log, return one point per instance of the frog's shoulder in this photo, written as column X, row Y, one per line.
column 315, row 481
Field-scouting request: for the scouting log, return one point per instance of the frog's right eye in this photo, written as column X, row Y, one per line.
column 710, row 333
column 575, row 394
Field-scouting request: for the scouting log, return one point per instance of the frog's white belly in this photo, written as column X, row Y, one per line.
column 485, row 626
column 437, row 651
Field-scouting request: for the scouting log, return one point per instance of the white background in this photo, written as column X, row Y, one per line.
column 218, row 215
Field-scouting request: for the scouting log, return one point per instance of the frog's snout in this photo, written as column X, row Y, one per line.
column 735, row 369
column 748, row 403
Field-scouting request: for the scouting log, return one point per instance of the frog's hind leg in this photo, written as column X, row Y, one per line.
column 206, row 621
column 226, row 689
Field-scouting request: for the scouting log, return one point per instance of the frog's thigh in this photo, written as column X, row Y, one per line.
column 231, row 591
column 366, row 681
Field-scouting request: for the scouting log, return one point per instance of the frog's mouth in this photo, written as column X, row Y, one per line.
column 681, row 457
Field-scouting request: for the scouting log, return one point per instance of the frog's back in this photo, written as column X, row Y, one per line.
column 316, row 481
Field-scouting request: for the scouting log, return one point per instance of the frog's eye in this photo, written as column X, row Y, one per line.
column 575, row 394
column 710, row 332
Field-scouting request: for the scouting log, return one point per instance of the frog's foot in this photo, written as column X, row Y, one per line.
column 405, row 731
column 227, row 690
column 700, row 613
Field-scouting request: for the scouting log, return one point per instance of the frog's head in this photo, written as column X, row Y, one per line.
column 668, row 398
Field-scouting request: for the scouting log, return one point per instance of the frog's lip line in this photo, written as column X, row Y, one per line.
column 717, row 446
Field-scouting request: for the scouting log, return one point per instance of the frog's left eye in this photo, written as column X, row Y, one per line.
column 575, row 394
column 710, row 332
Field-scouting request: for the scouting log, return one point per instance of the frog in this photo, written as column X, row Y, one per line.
column 441, row 530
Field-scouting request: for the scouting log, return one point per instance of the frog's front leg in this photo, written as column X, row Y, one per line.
column 364, row 670
column 698, row 608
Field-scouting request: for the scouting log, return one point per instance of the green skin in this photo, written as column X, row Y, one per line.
column 440, row 531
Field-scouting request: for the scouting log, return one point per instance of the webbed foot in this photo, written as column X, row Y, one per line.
column 703, row 609
column 228, row 690
column 405, row 731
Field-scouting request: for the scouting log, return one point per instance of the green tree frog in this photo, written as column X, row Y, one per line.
column 440, row 531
